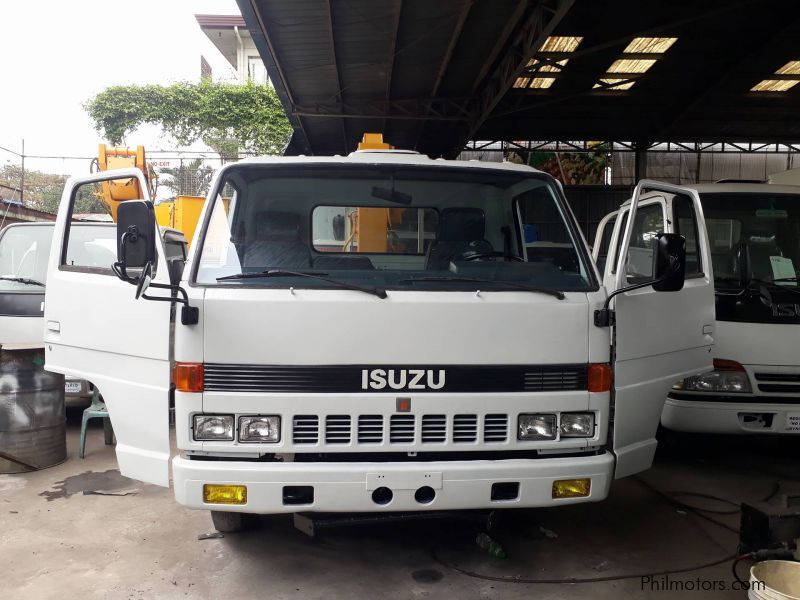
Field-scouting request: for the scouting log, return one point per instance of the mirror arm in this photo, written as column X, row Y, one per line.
column 604, row 317
column 190, row 315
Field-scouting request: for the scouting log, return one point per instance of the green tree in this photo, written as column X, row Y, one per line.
column 43, row 190
column 229, row 118
column 188, row 179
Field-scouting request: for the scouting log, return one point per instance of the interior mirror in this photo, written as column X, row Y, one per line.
column 136, row 234
column 669, row 262
column 144, row 280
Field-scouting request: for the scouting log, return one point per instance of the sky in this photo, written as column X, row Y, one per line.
column 57, row 54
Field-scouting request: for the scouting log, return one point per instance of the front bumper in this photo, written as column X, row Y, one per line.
column 348, row 487
column 751, row 415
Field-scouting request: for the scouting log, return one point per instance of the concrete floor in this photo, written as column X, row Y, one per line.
column 60, row 540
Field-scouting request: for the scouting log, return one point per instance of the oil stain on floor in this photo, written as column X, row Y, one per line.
column 103, row 483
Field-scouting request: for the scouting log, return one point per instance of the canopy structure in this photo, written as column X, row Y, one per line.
column 433, row 76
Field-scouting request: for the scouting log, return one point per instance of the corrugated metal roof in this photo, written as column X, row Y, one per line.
column 432, row 75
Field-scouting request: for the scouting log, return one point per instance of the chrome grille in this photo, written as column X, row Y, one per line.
column 434, row 428
column 465, row 428
column 370, row 429
column 305, row 429
column 786, row 383
column 337, row 429
column 495, row 428
column 401, row 429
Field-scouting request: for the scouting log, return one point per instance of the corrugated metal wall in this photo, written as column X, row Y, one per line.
column 591, row 203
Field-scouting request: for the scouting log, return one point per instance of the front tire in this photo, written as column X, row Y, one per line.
column 231, row 522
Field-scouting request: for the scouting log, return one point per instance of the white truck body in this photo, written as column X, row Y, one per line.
column 24, row 256
column 757, row 332
column 421, row 388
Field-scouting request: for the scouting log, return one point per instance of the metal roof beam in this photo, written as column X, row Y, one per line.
column 434, row 109
column 531, row 36
column 337, row 72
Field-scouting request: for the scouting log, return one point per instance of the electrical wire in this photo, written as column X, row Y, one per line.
column 700, row 512
column 735, row 564
column 573, row 580
column 696, row 511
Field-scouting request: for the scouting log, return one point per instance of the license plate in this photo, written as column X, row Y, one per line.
column 793, row 422
column 72, row 387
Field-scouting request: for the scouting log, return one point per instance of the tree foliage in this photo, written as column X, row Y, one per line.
column 43, row 190
column 229, row 118
column 188, row 179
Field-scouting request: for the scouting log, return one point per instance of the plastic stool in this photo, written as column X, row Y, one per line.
column 96, row 409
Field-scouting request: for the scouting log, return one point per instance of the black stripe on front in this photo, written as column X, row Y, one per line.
column 735, row 399
column 350, row 378
column 21, row 304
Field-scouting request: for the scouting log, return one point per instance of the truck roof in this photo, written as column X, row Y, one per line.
column 387, row 157
column 744, row 188
column 730, row 188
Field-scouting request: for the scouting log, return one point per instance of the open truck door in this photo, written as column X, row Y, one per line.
column 95, row 329
column 658, row 337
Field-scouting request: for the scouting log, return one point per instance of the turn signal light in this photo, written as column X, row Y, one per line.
column 572, row 488
column 224, row 494
column 723, row 364
column 599, row 377
column 188, row 377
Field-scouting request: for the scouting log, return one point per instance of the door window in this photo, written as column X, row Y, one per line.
column 686, row 225
column 648, row 223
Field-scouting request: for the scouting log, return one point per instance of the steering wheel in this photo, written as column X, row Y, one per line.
column 484, row 255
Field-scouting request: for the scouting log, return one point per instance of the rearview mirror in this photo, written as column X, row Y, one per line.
column 136, row 231
column 669, row 262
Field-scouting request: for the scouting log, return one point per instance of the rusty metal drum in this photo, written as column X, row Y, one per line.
column 32, row 416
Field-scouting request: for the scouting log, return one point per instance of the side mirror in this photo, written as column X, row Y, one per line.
column 136, row 234
column 669, row 262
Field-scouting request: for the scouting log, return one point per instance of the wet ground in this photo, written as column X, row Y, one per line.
column 81, row 529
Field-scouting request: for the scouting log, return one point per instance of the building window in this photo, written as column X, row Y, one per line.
column 256, row 70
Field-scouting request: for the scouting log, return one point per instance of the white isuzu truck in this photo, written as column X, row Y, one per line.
column 754, row 238
column 380, row 332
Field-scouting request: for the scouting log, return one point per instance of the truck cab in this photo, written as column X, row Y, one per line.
column 380, row 332
column 753, row 231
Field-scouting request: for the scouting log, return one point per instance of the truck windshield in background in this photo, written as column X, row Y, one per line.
column 24, row 251
column 393, row 227
column 755, row 233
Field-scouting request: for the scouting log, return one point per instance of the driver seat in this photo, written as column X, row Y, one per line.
column 461, row 232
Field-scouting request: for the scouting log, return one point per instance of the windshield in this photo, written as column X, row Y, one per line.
column 761, row 230
column 24, row 252
column 393, row 227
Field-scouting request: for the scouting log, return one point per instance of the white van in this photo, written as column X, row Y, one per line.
column 754, row 238
column 446, row 343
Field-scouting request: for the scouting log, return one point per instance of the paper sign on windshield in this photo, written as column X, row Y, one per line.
column 782, row 268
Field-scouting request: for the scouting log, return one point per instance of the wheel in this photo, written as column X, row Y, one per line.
column 231, row 522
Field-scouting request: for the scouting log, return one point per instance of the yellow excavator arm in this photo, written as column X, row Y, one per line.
column 119, row 190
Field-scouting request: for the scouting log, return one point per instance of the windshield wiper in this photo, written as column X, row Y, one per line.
column 785, row 279
column 528, row 288
column 23, row 280
column 379, row 292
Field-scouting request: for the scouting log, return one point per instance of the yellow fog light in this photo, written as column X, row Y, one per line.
column 571, row 488
column 225, row 494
